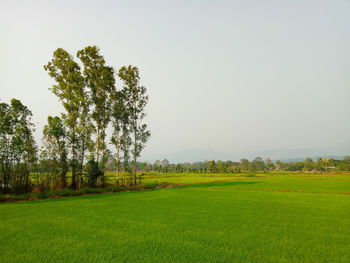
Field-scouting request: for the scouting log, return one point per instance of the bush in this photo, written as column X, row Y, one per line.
column 70, row 192
column 93, row 172
column 19, row 188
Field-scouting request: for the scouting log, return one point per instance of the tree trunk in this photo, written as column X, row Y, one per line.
column 135, row 159
column 81, row 166
column 48, row 181
column 135, row 147
column 103, row 156
column 140, row 179
column 26, row 177
column 117, row 173
column 63, row 180
column 124, row 174
column 73, row 167
column 103, row 150
column 97, row 143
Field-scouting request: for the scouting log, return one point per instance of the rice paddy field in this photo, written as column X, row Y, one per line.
column 262, row 218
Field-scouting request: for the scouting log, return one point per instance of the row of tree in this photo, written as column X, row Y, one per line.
column 76, row 140
column 244, row 165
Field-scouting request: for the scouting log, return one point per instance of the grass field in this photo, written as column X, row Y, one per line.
column 267, row 218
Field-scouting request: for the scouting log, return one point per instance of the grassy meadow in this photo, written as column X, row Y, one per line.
column 237, row 218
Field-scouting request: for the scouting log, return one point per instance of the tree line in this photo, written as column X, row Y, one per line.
column 75, row 143
column 244, row 165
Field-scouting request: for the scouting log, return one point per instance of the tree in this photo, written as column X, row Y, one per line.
column 212, row 167
column 320, row 164
column 93, row 172
column 125, row 143
column 100, row 80
column 120, row 123
column 309, row 164
column 157, row 165
column 244, row 164
column 136, row 103
column 280, row 165
column 221, row 166
column 84, row 130
column 259, row 164
column 6, row 134
column 18, row 150
column 269, row 164
column 165, row 165
column 69, row 88
column 178, row 168
column 54, row 139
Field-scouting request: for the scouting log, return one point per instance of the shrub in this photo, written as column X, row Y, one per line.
column 93, row 172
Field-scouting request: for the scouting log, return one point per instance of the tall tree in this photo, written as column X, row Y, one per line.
column 120, row 122
column 84, row 130
column 125, row 143
column 100, row 80
column 6, row 134
column 136, row 103
column 69, row 88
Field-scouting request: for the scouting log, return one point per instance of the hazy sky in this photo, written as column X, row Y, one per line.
column 233, row 76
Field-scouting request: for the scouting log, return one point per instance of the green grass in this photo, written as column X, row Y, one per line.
column 246, row 219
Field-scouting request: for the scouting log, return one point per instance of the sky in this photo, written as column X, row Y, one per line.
column 222, row 76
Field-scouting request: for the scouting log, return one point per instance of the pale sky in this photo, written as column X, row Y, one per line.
column 232, row 76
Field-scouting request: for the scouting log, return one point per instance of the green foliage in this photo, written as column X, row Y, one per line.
column 69, row 88
column 121, row 130
column 54, row 153
column 69, row 85
column 100, row 82
column 18, row 150
column 136, row 101
column 91, row 101
column 214, row 167
column 92, row 172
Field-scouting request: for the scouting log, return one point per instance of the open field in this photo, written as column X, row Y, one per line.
column 267, row 218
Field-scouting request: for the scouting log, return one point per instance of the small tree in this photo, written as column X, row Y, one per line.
column 54, row 139
column 93, row 172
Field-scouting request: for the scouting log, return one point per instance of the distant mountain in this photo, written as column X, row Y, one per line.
column 194, row 155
